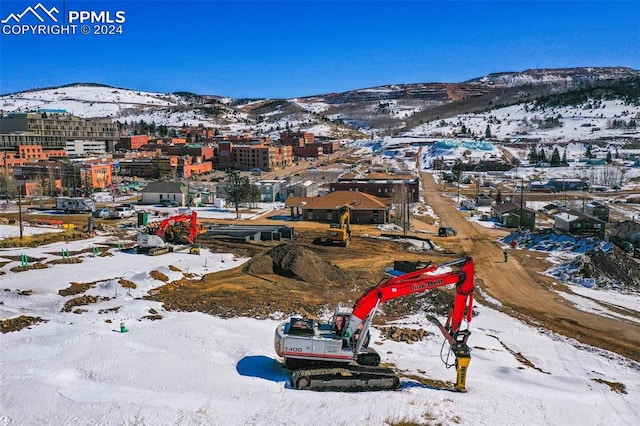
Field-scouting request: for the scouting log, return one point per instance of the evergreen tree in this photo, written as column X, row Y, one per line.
column 589, row 154
column 542, row 156
column 609, row 160
column 456, row 170
column 564, row 157
column 499, row 197
column 487, row 132
column 555, row 157
column 533, row 155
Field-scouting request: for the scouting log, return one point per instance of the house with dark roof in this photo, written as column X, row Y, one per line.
column 578, row 223
column 483, row 200
column 165, row 192
column 365, row 208
column 629, row 231
column 510, row 215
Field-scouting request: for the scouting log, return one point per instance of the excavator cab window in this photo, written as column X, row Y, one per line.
column 301, row 327
column 339, row 324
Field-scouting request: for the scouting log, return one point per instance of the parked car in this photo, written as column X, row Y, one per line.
column 121, row 212
column 101, row 213
column 446, row 231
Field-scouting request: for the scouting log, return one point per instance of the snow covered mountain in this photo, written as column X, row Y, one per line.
column 504, row 101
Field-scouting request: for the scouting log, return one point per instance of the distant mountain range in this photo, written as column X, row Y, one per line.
column 383, row 110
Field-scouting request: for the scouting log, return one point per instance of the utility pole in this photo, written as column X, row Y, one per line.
column 521, row 199
column 20, row 208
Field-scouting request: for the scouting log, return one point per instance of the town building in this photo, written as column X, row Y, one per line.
column 258, row 155
column 381, row 185
column 365, row 208
column 597, row 210
column 578, row 223
column 165, row 192
column 511, row 215
column 59, row 130
column 297, row 139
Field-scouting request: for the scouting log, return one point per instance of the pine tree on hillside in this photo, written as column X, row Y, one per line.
column 589, row 154
column 564, row 157
column 555, row 157
column 487, row 132
column 609, row 160
column 542, row 156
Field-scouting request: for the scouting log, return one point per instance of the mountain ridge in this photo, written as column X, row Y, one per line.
column 381, row 110
column 596, row 73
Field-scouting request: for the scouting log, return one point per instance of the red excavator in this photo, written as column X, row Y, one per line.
column 334, row 355
column 178, row 229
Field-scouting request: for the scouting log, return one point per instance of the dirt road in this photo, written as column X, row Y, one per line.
column 522, row 290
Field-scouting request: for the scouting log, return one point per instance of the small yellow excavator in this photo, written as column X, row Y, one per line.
column 338, row 233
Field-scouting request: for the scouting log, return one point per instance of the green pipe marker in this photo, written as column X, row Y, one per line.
column 123, row 329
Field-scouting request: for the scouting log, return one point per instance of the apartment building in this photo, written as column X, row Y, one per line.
column 253, row 156
column 59, row 130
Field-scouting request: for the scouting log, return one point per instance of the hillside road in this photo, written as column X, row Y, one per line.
column 521, row 288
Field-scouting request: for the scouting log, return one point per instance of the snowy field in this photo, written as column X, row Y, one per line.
column 196, row 369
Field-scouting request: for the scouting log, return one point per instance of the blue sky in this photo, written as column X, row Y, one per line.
column 296, row 48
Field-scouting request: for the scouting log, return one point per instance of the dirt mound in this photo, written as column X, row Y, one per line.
column 294, row 261
column 611, row 269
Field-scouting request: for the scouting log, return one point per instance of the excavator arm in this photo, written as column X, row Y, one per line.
column 459, row 273
column 420, row 281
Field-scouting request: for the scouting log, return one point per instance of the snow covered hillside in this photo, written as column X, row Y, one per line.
column 77, row 366
column 525, row 122
column 419, row 109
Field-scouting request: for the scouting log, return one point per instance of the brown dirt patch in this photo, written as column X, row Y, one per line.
column 519, row 357
column 153, row 315
column 82, row 301
column 29, row 267
column 75, row 288
column 157, row 275
column 18, row 323
column 614, row 386
column 65, row 261
column 128, row 284
column 42, row 239
column 402, row 334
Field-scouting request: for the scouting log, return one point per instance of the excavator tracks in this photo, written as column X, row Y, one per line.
column 353, row 378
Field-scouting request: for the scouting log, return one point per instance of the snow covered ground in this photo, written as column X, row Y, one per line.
column 196, row 369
